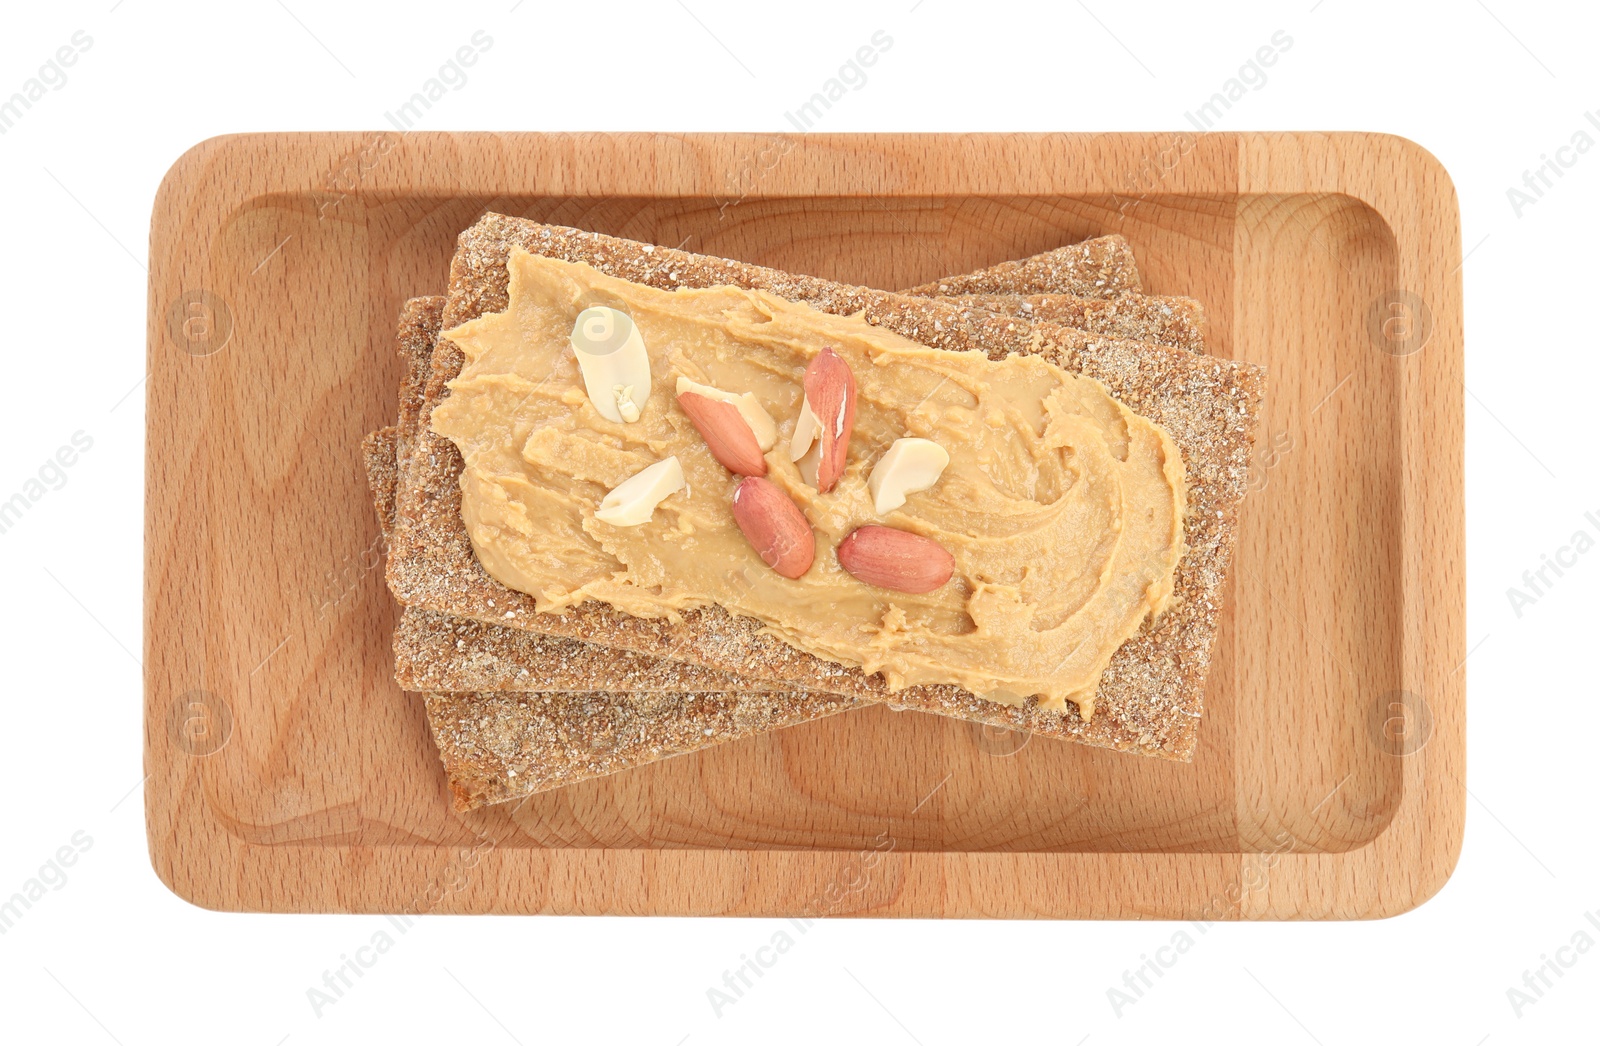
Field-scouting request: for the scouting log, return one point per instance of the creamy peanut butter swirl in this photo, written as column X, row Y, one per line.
column 1062, row 508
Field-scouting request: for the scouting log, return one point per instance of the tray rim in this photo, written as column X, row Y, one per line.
column 1398, row 869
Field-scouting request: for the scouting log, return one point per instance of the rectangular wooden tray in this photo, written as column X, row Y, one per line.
column 289, row 774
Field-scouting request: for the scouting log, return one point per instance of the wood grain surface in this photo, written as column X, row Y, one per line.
column 290, row 774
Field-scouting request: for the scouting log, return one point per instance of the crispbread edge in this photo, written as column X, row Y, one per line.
column 1099, row 267
column 1179, row 322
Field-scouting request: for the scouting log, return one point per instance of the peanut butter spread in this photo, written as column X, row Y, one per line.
column 1062, row 508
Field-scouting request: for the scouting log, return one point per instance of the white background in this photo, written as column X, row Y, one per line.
column 111, row 955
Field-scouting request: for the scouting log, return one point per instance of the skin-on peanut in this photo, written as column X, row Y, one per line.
column 896, row 559
column 774, row 526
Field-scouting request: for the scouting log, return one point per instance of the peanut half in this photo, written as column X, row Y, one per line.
column 634, row 500
column 750, row 409
column 728, row 435
column 827, row 416
column 910, row 466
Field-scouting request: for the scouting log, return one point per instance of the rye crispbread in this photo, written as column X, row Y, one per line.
column 1179, row 322
column 500, row 746
column 1150, row 695
column 507, row 745
column 434, row 651
column 1101, row 267
column 418, row 330
column 380, row 451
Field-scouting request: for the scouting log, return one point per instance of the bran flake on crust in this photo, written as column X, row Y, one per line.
column 1150, row 695
column 506, row 745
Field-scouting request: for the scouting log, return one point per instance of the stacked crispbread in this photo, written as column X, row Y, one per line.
column 521, row 701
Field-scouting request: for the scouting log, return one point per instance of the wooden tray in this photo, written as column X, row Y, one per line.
column 289, row 774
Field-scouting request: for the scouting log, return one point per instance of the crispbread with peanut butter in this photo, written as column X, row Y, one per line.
column 501, row 746
column 435, row 651
column 498, row 747
column 1150, row 695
